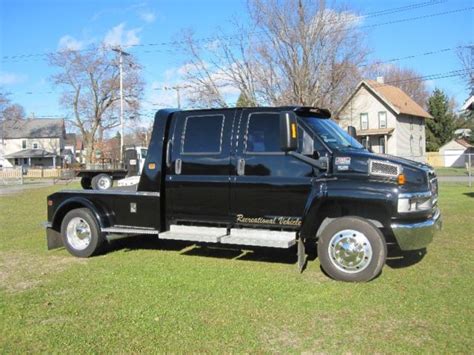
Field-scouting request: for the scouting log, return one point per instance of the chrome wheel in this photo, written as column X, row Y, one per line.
column 350, row 251
column 78, row 233
column 104, row 183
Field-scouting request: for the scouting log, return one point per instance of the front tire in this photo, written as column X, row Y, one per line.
column 102, row 182
column 352, row 249
column 81, row 233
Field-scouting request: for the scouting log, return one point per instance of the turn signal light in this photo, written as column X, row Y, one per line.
column 293, row 130
column 151, row 166
column 50, row 202
column 401, row 179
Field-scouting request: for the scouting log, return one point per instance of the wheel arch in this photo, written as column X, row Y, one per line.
column 324, row 208
column 103, row 218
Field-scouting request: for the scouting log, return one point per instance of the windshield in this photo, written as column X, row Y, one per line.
column 333, row 135
column 144, row 152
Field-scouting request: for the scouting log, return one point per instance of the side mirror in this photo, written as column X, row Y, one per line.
column 352, row 131
column 288, row 131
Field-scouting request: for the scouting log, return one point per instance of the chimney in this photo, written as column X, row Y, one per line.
column 380, row 79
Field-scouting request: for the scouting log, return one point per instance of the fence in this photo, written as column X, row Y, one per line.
column 18, row 174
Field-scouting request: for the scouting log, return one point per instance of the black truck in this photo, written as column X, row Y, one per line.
column 269, row 177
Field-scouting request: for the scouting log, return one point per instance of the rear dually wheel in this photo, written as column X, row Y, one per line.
column 81, row 233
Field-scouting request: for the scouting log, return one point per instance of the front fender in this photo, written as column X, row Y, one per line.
column 333, row 190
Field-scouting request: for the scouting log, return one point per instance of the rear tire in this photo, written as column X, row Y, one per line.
column 352, row 249
column 102, row 182
column 86, row 183
column 81, row 233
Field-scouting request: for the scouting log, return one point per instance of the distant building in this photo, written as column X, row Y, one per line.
column 75, row 145
column 455, row 153
column 387, row 119
column 33, row 142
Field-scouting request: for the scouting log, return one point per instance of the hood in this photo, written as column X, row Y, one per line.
column 357, row 162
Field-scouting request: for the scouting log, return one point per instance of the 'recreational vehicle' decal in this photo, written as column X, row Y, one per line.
column 285, row 221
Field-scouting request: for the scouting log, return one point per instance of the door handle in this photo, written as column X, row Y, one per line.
column 241, row 167
column 168, row 154
column 177, row 166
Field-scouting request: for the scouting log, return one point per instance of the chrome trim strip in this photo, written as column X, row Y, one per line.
column 114, row 192
column 129, row 230
column 425, row 194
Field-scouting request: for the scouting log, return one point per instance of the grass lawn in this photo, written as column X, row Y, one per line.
column 152, row 296
column 453, row 171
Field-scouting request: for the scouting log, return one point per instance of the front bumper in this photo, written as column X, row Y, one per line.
column 414, row 236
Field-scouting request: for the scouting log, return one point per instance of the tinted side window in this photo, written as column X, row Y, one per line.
column 263, row 134
column 203, row 134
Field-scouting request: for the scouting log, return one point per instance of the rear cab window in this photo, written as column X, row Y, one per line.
column 202, row 135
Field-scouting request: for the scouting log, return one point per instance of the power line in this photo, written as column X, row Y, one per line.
column 36, row 56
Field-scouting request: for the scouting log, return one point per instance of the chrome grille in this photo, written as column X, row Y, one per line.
column 382, row 168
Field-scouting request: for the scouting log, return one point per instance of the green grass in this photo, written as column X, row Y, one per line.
column 453, row 171
column 152, row 296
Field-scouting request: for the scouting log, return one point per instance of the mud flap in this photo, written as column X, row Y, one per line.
column 302, row 257
column 54, row 239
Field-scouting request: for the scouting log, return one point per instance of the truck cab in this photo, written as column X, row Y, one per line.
column 270, row 177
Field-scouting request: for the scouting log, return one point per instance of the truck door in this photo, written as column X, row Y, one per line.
column 198, row 167
column 267, row 185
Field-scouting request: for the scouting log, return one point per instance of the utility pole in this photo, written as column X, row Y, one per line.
column 121, row 54
column 178, row 91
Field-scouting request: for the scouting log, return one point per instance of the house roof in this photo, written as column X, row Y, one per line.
column 464, row 143
column 31, row 153
column 469, row 104
column 392, row 96
column 33, row 128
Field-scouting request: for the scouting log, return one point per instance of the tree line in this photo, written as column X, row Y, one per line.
column 282, row 52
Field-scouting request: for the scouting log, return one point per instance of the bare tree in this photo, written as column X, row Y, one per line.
column 408, row 80
column 90, row 82
column 294, row 52
column 466, row 58
column 9, row 110
column 14, row 112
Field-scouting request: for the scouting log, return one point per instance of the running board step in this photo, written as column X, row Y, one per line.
column 194, row 234
column 253, row 237
column 261, row 238
column 129, row 230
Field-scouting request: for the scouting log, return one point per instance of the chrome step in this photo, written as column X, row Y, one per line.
column 194, row 234
column 261, row 238
column 129, row 230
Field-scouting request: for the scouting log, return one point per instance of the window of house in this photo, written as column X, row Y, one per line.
column 364, row 121
column 203, row 134
column 383, row 119
column 35, row 145
column 382, row 145
column 421, row 145
column 412, row 141
column 263, row 133
column 23, row 144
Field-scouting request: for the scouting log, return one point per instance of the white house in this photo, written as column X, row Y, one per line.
column 32, row 142
column 455, row 153
column 387, row 119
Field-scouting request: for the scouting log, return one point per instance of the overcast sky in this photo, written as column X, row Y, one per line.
column 39, row 26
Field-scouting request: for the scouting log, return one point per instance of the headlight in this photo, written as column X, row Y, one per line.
column 414, row 202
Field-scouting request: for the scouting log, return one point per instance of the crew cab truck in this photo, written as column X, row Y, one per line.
column 270, row 177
